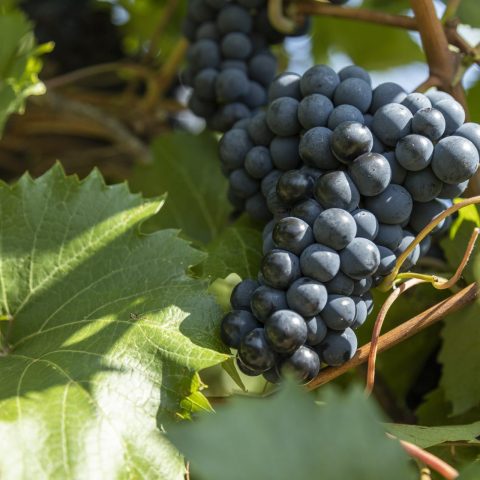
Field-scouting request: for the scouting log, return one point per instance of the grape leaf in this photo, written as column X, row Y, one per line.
column 426, row 437
column 187, row 168
column 472, row 472
column 238, row 249
column 19, row 64
column 289, row 436
column 106, row 336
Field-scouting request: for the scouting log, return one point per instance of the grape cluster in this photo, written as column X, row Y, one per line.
column 376, row 166
column 230, row 64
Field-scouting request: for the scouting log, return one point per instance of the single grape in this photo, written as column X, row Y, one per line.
column 284, row 151
column 258, row 130
column 416, row 101
column 256, row 96
column 255, row 352
column 236, row 46
column 229, row 114
column 470, row 131
column 335, row 228
column 204, row 84
column 393, row 206
column 320, row 262
column 354, row 91
column 350, row 140
column 233, row 18
column 204, row 54
column 285, row 331
column 314, row 149
column 266, row 300
column 361, row 287
column 307, row 297
column 257, row 208
column 455, row 159
column 398, row 172
column 280, row 268
column 453, row 190
column 316, row 330
column 344, row 113
column 387, row 261
column 453, row 113
column 282, row 116
column 367, row 224
column 303, row 364
column 235, row 325
column 294, row 186
column 207, row 30
column 423, row 186
column 242, row 294
column 392, row 122
column 359, row 259
column 371, row 173
column 201, row 108
column 262, row 68
column 285, row 85
column 314, row 110
column 339, row 312
column 292, row 234
column 234, row 146
column 258, row 162
column 386, row 93
column 340, row 284
column 361, row 313
column 430, row 123
column 336, row 189
column 424, row 213
column 307, row 210
column 338, row 347
column 389, row 236
column 436, row 96
column 242, row 184
column 354, row 71
column 231, row 84
column 319, row 79
column 414, row 152
column 250, row 372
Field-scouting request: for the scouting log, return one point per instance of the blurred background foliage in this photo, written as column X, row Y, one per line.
column 112, row 97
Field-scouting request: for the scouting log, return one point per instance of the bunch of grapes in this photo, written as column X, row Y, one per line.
column 230, row 64
column 377, row 166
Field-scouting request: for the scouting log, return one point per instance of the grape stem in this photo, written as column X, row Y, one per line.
column 397, row 335
column 390, row 279
column 432, row 461
column 372, row 354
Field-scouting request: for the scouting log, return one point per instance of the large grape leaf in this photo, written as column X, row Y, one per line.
column 19, row 64
column 103, row 332
column 289, row 436
column 187, row 167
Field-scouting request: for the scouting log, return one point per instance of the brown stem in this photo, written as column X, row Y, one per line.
column 360, row 14
column 401, row 333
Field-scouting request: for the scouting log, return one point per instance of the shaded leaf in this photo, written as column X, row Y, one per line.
column 289, row 436
column 426, row 437
column 107, row 336
column 187, row 168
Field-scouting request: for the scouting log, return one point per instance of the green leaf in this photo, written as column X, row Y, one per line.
column 107, row 336
column 359, row 39
column 288, row 436
column 187, row 168
column 19, row 64
column 460, row 358
column 238, row 249
column 426, row 437
column 472, row 472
